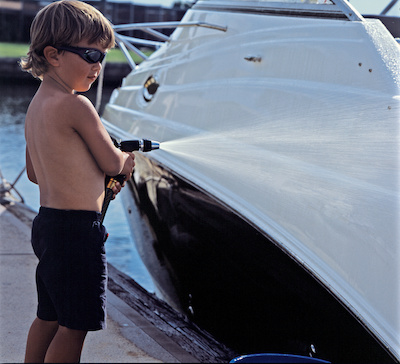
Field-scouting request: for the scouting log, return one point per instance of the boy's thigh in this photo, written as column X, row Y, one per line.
column 75, row 274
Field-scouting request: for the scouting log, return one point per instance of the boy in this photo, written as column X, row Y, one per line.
column 68, row 155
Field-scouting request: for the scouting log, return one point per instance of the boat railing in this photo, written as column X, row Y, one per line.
column 6, row 188
column 126, row 43
column 340, row 9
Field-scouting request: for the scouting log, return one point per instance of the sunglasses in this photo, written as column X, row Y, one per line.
column 90, row 55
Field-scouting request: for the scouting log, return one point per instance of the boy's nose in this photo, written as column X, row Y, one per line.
column 97, row 65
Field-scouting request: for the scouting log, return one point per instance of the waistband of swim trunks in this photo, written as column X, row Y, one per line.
column 82, row 214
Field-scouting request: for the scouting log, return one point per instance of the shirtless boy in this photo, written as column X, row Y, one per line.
column 68, row 155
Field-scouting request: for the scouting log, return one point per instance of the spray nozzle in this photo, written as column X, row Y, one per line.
column 143, row 145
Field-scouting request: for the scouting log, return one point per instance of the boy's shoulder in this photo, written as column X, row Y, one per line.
column 72, row 102
column 71, row 106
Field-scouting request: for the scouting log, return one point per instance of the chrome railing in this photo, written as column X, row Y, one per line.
column 126, row 42
column 6, row 188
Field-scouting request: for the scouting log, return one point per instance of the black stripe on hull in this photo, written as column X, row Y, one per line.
column 236, row 282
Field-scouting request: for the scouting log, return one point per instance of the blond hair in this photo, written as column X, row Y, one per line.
column 65, row 23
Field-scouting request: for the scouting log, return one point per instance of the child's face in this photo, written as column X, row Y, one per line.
column 78, row 73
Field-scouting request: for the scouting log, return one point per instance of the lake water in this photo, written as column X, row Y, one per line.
column 14, row 101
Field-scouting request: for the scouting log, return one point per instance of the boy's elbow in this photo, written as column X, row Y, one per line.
column 113, row 168
column 33, row 181
column 30, row 172
column 32, row 177
column 112, row 172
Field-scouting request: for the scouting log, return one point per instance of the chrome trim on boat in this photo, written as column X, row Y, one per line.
column 125, row 42
column 337, row 9
column 333, row 8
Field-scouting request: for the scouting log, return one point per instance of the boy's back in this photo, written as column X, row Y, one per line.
column 67, row 173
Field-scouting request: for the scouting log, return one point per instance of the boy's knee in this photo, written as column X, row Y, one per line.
column 78, row 335
column 46, row 324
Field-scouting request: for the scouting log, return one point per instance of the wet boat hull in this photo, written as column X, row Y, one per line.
column 275, row 191
column 232, row 279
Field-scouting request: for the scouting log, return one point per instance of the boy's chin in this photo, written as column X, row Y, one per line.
column 83, row 89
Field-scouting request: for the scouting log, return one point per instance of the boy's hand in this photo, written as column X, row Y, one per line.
column 129, row 164
column 117, row 189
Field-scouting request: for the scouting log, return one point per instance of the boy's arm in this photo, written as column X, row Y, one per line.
column 29, row 167
column 87, row 123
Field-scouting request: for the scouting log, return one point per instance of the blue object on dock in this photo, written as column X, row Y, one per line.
column 276, row 358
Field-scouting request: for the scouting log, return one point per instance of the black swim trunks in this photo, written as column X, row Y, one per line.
column 71, row 276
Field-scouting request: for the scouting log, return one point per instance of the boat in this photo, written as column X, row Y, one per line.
column 270, row 213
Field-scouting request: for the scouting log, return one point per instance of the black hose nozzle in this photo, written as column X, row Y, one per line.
column 143, row 145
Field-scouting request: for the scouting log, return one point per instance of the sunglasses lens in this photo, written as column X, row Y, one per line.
column 94, row 56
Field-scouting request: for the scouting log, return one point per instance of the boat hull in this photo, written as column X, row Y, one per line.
column 289, row 121
column 234, row 280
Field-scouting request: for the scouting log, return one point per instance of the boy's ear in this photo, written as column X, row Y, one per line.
column 51, row 55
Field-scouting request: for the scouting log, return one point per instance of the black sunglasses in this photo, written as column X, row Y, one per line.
column 90, row 55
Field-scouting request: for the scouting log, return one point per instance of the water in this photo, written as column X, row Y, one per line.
column 120, row 247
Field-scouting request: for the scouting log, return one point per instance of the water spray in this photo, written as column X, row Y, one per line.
column 143, row 145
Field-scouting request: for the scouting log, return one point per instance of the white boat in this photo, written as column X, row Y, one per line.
column 273, row 202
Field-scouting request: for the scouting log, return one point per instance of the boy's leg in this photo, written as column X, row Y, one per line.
column 40, row 336
column 66, row 346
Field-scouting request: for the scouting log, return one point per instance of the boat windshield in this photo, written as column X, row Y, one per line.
column 373, row 7
column 338, row 9
column 383, row 7
column 275, row 2
column 325, row 2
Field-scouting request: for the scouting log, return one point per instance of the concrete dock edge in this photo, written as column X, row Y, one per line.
column 140, row 327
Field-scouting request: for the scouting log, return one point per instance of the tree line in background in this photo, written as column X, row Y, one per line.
column 16, row 16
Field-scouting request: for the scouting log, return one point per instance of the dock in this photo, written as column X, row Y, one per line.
column 141, row 328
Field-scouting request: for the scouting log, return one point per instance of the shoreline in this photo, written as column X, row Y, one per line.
column 10, row 71
column 13, row 79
